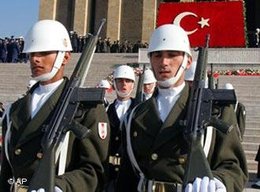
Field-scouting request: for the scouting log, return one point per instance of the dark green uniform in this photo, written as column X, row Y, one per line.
column 159, row 148
column 83, row 171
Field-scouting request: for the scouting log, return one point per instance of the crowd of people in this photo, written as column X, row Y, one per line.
column 106, row 45
column 11, row 49
column 131, row 145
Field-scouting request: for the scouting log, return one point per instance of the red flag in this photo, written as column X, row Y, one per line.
column 224, row 21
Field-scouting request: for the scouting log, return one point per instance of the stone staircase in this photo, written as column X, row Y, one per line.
column 15, row 77
column 248, row 92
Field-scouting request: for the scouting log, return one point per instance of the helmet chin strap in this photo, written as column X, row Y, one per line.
column 55, row 68
column 120, row 93
column 171, row 81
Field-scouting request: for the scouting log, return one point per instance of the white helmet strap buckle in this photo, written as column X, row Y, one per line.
column 55, row 68
column 171, row 81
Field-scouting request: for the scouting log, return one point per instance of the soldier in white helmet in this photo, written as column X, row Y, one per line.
column 79, row 163
column 149, row 83
column 107, row 86
column 240, row 111
column 123, row 83
column 156, row 143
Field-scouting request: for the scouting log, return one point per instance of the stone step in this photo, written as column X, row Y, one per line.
column 252, row 138
column 250, row 155
column 252, row 166
column 252, row 131
column 248, row 146
column 253, row 124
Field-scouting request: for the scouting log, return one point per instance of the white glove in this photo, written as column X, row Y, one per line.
column 56, row 189
column 206, row 185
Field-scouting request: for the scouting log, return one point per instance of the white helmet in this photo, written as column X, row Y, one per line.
column 149, row 77
column 169, row 37
column 47, row 35
column 190, row 73
column 124, row 71
column 104, row 84
column 228, row 86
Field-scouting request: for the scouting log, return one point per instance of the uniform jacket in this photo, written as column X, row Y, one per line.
column 84, row 170
column 115, row 145
column 158, row 147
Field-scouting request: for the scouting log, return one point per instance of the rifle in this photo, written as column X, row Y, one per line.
column 199, row 116
column 139, row 90
column 63, row 119
column 211, row 78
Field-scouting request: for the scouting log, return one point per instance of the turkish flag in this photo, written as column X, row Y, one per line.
column 223, row 21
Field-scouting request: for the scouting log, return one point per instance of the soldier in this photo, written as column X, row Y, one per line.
column 240, row 111
column 156, row 142
column 149, row 83
column 124, row 79
column 105, row 85
column 79, row 163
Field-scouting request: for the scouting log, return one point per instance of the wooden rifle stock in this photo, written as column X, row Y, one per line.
column 62, row 120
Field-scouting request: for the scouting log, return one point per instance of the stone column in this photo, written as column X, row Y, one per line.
column 81, row 14
column 47, row 9
column 150, row 8
column 114, row 19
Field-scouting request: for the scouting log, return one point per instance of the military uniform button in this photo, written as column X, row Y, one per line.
column 135, row 134
column 182, row 160
column 116, row 169
column 39, row 155
column 18, row 151
column 117, row 138
column 154, row 156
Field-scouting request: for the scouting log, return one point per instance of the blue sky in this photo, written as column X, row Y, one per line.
column 17, row 16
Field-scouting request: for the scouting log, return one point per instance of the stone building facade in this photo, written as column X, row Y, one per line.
column 131, row 20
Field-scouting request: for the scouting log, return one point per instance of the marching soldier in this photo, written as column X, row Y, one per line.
column 79, row 163
column 105, row 85
column 149, row 83
column 124, row 79
column 240, row 111
column 156, row 142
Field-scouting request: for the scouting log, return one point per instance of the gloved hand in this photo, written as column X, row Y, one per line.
column 206, row 185
column 56, row 189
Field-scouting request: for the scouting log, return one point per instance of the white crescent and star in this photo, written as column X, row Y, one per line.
column 203, row 22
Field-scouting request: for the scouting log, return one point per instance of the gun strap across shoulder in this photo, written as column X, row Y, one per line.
column 8, row 134
column 130, row 150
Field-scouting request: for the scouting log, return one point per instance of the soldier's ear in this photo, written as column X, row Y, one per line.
column 66, row 58
column 189, row 62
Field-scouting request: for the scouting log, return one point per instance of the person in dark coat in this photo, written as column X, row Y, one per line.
column 157, row 145
column 3, row 51
column 123, row 82
column 13, row 51
column 79, row 162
